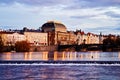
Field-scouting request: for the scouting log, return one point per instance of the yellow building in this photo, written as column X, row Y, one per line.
column 36, row 38
column 92, row 38
column 88, row 38
column 10, row 38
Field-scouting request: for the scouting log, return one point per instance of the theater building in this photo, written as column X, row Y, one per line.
column 58, row 34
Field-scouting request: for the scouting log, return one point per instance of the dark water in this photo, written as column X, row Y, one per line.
column 61, row 72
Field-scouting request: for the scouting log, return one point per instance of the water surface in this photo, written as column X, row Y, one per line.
column 63, row 72
column 63, row 56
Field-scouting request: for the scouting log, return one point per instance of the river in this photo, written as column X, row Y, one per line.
column 60, row 71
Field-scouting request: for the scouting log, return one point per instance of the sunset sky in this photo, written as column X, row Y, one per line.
column 89, row 15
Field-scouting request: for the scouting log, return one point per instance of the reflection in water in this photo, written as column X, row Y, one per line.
column 61, row 56
column 8, row 56
column 27, row 56
column 44, row 72
column 34, row 56
column 45, row 56
column 119, row 55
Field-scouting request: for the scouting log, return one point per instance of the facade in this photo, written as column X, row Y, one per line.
column 92, row 38
column 10, row 38
column 57, row 34
column 72, row 38
column 89, row 38
column 80, row 37
column 37, row 38
column 68, row 38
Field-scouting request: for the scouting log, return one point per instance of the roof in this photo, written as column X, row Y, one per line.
column 8, row 32
column 4, row 32
column 54, row 24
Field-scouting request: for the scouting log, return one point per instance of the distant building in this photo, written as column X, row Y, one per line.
column 52, row 33
column 36, row 38
column 92, row 38
column 89, row 38
column 81, row 37
column 53, row 26
column 10, row 38
column 57, row 33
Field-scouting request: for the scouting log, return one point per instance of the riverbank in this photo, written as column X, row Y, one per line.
column 83, row 48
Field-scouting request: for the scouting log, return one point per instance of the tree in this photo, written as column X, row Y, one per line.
column 109, row 41
column 22, row 46
column 118, row 40
column 1, row 44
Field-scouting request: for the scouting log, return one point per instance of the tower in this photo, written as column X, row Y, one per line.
column 100, row 38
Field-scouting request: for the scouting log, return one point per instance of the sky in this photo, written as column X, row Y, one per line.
column 88, row 15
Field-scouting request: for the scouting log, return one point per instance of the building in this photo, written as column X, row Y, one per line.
column 72, row 38
column 89, row 38
column 53, row 26
column 81, row 37
column 10, row 38
column 36, row 38
column 58, row 34
column 92, row 38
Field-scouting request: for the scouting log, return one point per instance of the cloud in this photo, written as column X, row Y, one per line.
column 81, row 17
column 80, row 4
column 70, row 3
column 113, row 14
column 89, row 15
column 37, row 2
column 117, row 28
column 103, row 3
column 104, row 30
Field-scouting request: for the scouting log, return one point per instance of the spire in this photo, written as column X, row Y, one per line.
column 100, row 33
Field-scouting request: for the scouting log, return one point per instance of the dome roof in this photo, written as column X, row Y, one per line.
column 54, row 26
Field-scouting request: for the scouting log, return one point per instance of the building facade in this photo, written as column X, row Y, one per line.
column 37, row 38
column 10, row 38
column 88, row 38
column 58, row 34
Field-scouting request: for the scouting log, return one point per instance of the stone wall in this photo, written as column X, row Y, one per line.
column 43, row 48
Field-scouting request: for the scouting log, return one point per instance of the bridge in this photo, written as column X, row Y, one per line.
column 82, row 47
